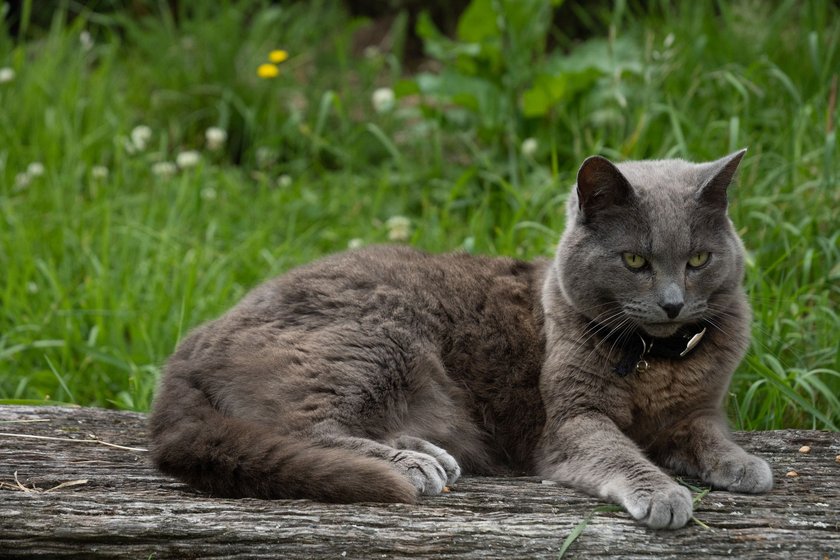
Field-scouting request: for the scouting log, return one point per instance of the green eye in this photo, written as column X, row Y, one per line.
column 698, row 259
column 634, row 261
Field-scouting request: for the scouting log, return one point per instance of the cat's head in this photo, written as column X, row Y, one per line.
column 648, row 244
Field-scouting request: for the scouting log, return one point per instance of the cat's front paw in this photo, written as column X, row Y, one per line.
column 667, row 507
column 741, row 473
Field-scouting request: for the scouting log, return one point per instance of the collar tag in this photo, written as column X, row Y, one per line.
column 642, row 365
column 692, row 342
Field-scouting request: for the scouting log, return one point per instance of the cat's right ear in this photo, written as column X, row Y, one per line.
column 719, row 176
column 600, row 185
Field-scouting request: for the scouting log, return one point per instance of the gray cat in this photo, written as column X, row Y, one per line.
column 384, row 373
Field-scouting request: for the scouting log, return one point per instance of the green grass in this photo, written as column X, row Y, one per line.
column 102, row 276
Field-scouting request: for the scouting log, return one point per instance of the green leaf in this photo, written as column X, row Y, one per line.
column 438, row 46
column 550, row 89
column 478, row 22
column 477, row 94
column 406, row 87
column 565, row 76
column 545, row 93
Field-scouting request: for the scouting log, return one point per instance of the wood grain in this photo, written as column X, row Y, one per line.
column 125, row 509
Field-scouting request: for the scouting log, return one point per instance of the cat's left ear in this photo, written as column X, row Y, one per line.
column 600, row 185
column 717, row 178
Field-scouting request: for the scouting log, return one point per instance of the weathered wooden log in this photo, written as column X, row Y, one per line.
column 75, row 496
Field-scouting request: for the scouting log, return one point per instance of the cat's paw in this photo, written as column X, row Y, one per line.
column 667, row 507
column 741, row 473
column 425, row 472
column 447, row 461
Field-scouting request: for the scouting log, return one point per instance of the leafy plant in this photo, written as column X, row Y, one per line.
column 486, row 68
column 110, row 253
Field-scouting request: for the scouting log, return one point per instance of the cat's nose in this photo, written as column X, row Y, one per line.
column 672, row 309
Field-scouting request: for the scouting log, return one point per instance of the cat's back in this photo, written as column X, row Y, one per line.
column 452, row 298
column 391, row 282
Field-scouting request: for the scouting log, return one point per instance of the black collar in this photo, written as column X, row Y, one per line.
column 634, row 348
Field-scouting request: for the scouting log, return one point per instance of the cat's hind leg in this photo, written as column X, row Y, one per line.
column 447, row 461
column 373, row 389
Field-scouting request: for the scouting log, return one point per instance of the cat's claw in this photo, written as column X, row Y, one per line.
column 665, row 508
column 741, row 473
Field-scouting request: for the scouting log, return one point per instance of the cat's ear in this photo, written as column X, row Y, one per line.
column 600, row 185
column 716, row 179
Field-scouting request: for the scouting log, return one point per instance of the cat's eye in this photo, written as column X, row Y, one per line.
column 698, row 259
column 634, row 261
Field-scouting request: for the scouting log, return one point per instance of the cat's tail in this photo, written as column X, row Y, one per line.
column 230, row 457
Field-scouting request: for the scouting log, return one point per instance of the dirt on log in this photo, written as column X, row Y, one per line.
column 64, row 492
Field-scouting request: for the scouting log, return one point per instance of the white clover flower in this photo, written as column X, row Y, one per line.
column 140, row 136
column 164, row 169
column 99, row 172
column 399, row 228
column 383, row 100
column 86, row 40
column 355, row 243
column 469, row 244
column 208, row 193
column 35, row 169
column 22, row 180
column 265, row 156
column 188, row 159
column 529, row 147
column 32, row 287
column 284, row 181
column 371, row 52
column 215, row 137
column 6, row 75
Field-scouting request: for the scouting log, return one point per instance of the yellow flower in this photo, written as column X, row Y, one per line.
column 277, row 56
column 267, row 71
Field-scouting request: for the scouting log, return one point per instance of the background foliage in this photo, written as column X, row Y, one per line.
column 110, row 250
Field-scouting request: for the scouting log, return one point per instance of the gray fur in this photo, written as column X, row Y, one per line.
column 383, row 373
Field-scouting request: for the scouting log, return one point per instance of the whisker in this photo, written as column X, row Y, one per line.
column 604, row 320
column 623, row 335
column 617, row 328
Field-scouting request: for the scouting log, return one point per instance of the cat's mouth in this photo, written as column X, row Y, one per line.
column 662, row 329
